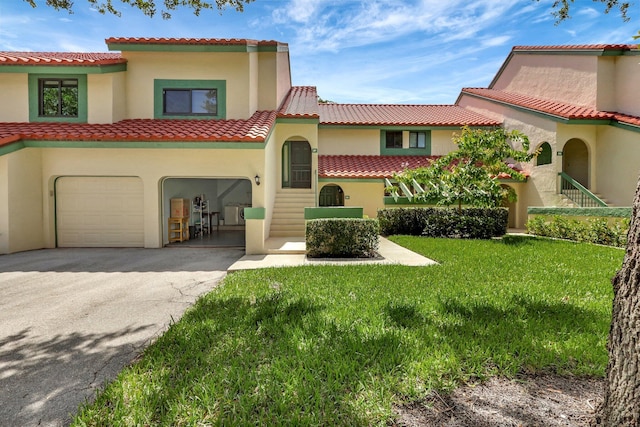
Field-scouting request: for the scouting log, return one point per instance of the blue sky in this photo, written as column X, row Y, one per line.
column 353, row 51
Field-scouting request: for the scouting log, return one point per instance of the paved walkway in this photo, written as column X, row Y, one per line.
column 70, row 319
column 390, row 253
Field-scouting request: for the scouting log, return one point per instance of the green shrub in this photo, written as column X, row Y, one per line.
column 342, row 238
column 592, row 230
column 470, row 223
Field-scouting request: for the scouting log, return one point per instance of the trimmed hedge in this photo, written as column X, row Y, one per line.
column 342, row 238
column 471, row 223
column 592, row 230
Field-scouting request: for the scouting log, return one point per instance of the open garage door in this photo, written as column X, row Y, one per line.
column 99, row 212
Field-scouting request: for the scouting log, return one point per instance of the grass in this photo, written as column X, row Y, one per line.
column 326, row 345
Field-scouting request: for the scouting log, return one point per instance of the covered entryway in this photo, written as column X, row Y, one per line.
column 99, row 211
column 218, row 218
column 296, row 164
column 575, row 161
column 331, row 195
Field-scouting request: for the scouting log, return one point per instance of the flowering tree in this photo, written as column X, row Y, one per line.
column 470, row 175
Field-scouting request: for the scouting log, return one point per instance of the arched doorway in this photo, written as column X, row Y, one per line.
column 331, row 195
column 296, row 164
column 575, row 161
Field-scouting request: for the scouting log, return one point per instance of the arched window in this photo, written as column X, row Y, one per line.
column 544, row 158
column 331, row 195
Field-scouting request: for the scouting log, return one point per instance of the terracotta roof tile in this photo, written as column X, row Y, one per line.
column 376, row 167
column 301, row 102
column 578, row 47
column 255, row 129
column 353, row 166
column 191, row 41
column 554, row 108
column 401, row 115
column 60, row 58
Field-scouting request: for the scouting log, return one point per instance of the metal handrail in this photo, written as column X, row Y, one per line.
column 578, row 193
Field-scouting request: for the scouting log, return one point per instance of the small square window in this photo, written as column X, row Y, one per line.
column 394, row 139
column 417, row 140
column 58, row 98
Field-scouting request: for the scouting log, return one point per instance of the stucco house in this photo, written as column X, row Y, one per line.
column 94, row 146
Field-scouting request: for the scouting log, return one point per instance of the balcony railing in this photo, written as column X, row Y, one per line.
column 578, row 194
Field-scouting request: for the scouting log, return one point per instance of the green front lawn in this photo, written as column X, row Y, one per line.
column 326, row 345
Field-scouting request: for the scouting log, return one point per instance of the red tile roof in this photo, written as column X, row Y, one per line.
column 255, row 129
column 401, row 115
column 578, row 47
column 559, row 109
column 60, row 58
column 376, row 167
column 345, row 166
column 301, row 102
column 191, row 41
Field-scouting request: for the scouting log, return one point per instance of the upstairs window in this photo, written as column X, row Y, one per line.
column 405, row 142
column 394, row 139
column 189, row 99
column 417, row 140
column 58, row 97
column 190, row 102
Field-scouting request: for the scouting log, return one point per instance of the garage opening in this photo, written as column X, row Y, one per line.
column 211, row 211
column 99, row 212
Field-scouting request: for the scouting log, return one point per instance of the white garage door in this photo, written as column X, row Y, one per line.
column 99, row 212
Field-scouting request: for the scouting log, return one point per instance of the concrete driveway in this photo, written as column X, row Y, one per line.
column 70, row 319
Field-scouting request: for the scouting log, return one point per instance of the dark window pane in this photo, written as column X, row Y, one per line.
column 394, row 139
column 177, row 101
column 69, row 97
column 50, row 101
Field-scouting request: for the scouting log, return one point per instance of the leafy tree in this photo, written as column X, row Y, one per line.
column 622, row 388
column 149, row 7
column 470, row 175
column 562, row 8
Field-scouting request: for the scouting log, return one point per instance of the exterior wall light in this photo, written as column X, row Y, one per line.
column 257, row 179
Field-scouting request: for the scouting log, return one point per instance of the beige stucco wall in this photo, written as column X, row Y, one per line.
column 345, row 141
column 14, row 97
column 21, row 196
column 627, row 88
column 567, row 78
column 606, row 84
column 274, row 79
column 617, row 164
column 106, row 97
column 441, row 142
column 368, row 194
column 233, row 67
column 4, row 204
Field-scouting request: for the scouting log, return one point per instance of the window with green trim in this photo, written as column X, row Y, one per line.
column 545, row 154
column 58, row 97
column 405, row 142
column 180, row 99
column 190, row 102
